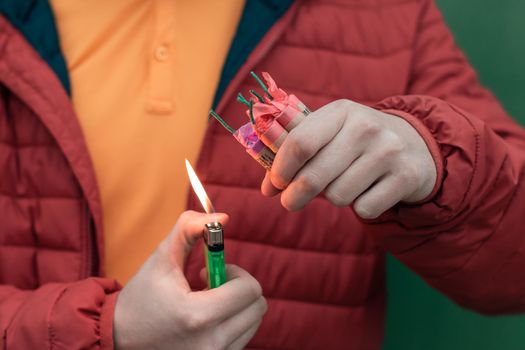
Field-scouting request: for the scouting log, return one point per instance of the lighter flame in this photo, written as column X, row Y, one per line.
column 199, row 189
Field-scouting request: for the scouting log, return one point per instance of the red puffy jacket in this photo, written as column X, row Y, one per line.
column 321, row 269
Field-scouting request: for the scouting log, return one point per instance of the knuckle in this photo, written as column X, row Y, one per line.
column 233, row 269
column 336, row 198
column 212, row 342
column 288, row 204
column 343, row 104
column 369, row 127
column 210, row 345
column 393, row 146
column 217, row 341
column 186, row 215
column 365, row 211
column 302, row 150
column 310, row 182
column 277, row 180
column 195, row 321
column 409, row 173
column 255, row 288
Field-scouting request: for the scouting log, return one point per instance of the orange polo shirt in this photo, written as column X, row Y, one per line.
column 143, row 76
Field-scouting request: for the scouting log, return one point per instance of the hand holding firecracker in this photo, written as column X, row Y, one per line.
column 355, row 154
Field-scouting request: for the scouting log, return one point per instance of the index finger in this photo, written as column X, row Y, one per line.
column 188, row 229
column 305, row 140
column 240, row 291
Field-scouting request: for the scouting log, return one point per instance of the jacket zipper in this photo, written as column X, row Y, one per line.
column 91, row 255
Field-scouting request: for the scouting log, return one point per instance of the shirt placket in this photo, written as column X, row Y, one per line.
column 161, row 60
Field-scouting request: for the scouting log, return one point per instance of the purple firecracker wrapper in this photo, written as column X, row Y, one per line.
column 247, row 137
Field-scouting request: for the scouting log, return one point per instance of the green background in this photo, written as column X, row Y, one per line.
column 492, row 33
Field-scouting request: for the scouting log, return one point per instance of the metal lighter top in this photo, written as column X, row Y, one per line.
column 213, row 235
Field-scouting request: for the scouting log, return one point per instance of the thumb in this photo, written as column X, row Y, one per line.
column 188, row 229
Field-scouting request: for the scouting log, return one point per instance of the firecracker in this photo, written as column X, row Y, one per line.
column 271, row 115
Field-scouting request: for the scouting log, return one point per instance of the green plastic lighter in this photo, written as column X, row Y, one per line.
column 214, row 251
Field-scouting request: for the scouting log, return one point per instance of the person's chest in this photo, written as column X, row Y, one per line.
column 143, row 76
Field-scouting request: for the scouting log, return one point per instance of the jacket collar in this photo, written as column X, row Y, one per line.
column 35, row 20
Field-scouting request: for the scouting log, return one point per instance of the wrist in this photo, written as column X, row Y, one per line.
column 432, row 177
column 122, row 334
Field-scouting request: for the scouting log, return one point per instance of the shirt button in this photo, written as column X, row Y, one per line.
column 161, row 53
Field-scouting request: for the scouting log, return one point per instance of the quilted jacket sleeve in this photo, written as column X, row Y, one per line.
column 77, row 315
column 468, row 238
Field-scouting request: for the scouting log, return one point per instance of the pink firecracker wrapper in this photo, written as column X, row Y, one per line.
column 247, row 137
column 274, row 136
column 268, row 129
column 291, row 110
